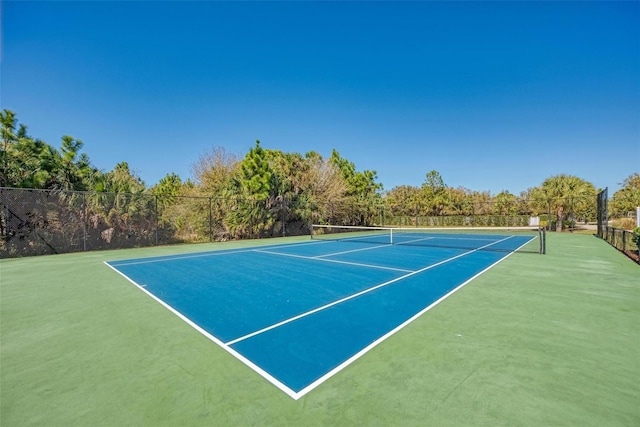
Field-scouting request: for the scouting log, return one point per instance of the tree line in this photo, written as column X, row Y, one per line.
column 268, row 189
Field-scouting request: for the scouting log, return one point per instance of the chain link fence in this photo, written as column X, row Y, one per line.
column 625, row 241
column 485, row 215
column 41, row 222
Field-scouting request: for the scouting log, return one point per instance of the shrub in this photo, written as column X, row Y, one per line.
column 636, row 237
column 624, row 223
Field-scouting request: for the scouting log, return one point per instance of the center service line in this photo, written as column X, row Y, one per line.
column 308, row 313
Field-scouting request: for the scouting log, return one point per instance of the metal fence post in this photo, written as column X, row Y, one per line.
column 284, row 204
column 157, row 218
column 84, row 225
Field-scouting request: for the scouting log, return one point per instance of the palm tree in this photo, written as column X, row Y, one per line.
column 565, row 195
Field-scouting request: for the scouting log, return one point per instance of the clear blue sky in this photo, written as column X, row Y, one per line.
column 494, row 96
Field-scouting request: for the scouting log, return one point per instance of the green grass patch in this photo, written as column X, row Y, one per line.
column 537, row 340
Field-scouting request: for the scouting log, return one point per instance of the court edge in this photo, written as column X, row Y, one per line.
column 293, row 394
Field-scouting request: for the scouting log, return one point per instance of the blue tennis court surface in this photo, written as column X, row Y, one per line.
column 299, row 313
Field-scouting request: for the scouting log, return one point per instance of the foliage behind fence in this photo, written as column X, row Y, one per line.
column 39, row 222
column 626, row 241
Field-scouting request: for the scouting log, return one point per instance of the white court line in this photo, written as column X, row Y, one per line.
column 324, row 307
column 209, row 253
column 415, row 240
column 478, row 238
column 402, row 242
column 194, row 325
column 366, row 349
column 291, row 393
column 313, row 258
column 363, row 239
column 353, row 250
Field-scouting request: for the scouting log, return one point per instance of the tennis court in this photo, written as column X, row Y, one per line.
column 299, row 313
column 544, row 340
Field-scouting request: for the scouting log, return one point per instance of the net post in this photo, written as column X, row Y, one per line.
column 391, row 236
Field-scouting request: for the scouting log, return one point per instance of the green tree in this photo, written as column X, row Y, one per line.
column 26, row 162
column 117, row 195
column 363, row 200
column 627, row 199
column 32, row 163
column 125, row 206
column 482, row 202
column 505, row 203
column 435, row 193
column 122, row 180
column 358, row 183
column 566, row 196
column 10, row 137
column 403, row 201
column 168, row 187
column 73, row 171
column 174, row 213
column 289, row 172
column 460, row 202
column 254, row 183
column 525, row 203
column 254, row 178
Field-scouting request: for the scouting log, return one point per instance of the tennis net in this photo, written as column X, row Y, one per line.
column 501, row 239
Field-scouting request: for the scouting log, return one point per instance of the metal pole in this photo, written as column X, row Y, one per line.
column 84, row 225
column 284, row 233
column 6, row 217
column 157, row 219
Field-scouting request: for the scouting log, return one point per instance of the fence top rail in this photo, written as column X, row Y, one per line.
column 92, row 192
column 610, row 227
